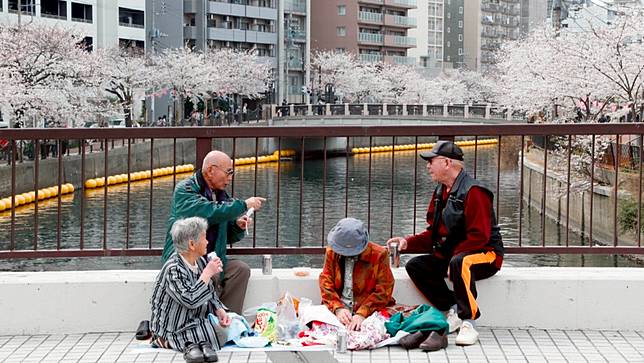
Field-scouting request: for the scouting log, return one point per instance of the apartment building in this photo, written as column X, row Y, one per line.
column 277, row 30
column 421, row 32
column 533, row 14
column 455, row 28
column 435, row 33
column 105, row 23
column 487, row 23
column 375, row 30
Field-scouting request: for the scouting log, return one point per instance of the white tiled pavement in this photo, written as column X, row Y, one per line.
column 496, row 345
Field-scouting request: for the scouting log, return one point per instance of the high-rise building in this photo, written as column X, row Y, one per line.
column 455, row 28
column 375, row 30
column 488, row 24
column 435, row 31
column 533, row 14
column 276, row 30
column 104, row 23
column 420, row 32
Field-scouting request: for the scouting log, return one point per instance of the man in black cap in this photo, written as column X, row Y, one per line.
column 463, row 241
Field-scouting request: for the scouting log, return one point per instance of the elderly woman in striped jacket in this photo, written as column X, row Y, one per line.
column 184, row 295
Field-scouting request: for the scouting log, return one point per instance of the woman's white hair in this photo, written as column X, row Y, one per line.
column 185, row 230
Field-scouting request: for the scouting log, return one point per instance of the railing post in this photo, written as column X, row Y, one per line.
column 508, row 114
column 365, row 109
column 487, row 111
column 466, row 111
column 291, row 110
column 204, row 146
column 273, row 111
column 346, row 109
column 328, row 109
column 384, row 109
column 424, row 110
column 445, row 111
column 404, row 109
column 309, row 109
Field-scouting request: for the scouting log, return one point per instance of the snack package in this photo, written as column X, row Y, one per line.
column 266, row 324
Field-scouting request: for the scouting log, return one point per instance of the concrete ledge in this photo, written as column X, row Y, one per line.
column 541, row 297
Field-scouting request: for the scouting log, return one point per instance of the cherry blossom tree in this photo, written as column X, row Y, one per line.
column 596, row 66
column 124, row 72
column 47, row 74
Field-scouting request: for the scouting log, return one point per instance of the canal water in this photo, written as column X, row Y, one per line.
column 320, row 200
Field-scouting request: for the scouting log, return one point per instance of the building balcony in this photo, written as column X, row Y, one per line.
column 295, row 64
column 399, row 59
column 378, row 2
column 131, row 25
column 407, row 4
column 234, row 35
column 369, row 17
column 400, row 21
column 400, row 41
column 370, row 38
column 370, row 58
column 297, row 35
column 295, row 6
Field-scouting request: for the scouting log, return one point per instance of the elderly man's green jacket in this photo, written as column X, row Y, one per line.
column 193, row 198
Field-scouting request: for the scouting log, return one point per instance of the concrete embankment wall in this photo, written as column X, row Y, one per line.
column 556, row 206
column 117, row 162
column 539, row 297
column 163, row 156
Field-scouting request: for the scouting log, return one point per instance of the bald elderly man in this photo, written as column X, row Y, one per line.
column 204, row 195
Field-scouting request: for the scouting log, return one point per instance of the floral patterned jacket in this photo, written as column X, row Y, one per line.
column 373, row 282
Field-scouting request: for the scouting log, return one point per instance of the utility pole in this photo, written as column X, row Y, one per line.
column 556, row 15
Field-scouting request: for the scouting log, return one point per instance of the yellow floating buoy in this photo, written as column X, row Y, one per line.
column 91, row 184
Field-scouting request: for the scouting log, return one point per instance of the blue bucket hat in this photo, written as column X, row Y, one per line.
column 349, row 237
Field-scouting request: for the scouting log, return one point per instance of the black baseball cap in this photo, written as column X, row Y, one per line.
column 444, row 148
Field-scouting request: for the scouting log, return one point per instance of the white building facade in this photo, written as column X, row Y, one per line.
column 104, row 23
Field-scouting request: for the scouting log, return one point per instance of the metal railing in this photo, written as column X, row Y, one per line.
column 370, row 38
column 371, row 17
column 371, row 58
column 553, row 148
column 455, row 111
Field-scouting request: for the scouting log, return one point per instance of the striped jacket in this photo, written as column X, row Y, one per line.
column 181, row 303
column 373, row 282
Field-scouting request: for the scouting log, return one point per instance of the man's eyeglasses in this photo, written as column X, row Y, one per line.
column 228, row 172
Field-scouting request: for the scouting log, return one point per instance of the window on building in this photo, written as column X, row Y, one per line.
column 449, row 44
column 136, row 46
column 460, row 10
column 448, row 29
column 460, row 37
column 28, row 7
column 449, row 15
column 189, row 19
column 460, row 51
column 53, row 9
column 131, row 18
column 341, row 31
column 88, row 43
column 460, row 24
column 82, row 13
column 448, row 58
column 339, row 50
column 342, row 10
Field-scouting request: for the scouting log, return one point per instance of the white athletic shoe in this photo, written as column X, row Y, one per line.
column 467, row 335
column 453, row 320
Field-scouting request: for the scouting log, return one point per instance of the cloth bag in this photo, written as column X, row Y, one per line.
column 425, row 318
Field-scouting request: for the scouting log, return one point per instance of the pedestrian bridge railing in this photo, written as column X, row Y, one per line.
column 544, row 177
column 480, row 111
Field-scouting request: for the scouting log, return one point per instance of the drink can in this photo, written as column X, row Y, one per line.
column 267, row 265
column 394, row 254
column 341, row 345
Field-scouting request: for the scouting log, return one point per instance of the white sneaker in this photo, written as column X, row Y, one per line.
column 453, row 320
column 467, row 335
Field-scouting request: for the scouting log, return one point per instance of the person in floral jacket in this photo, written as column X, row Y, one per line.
column 356, row 280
